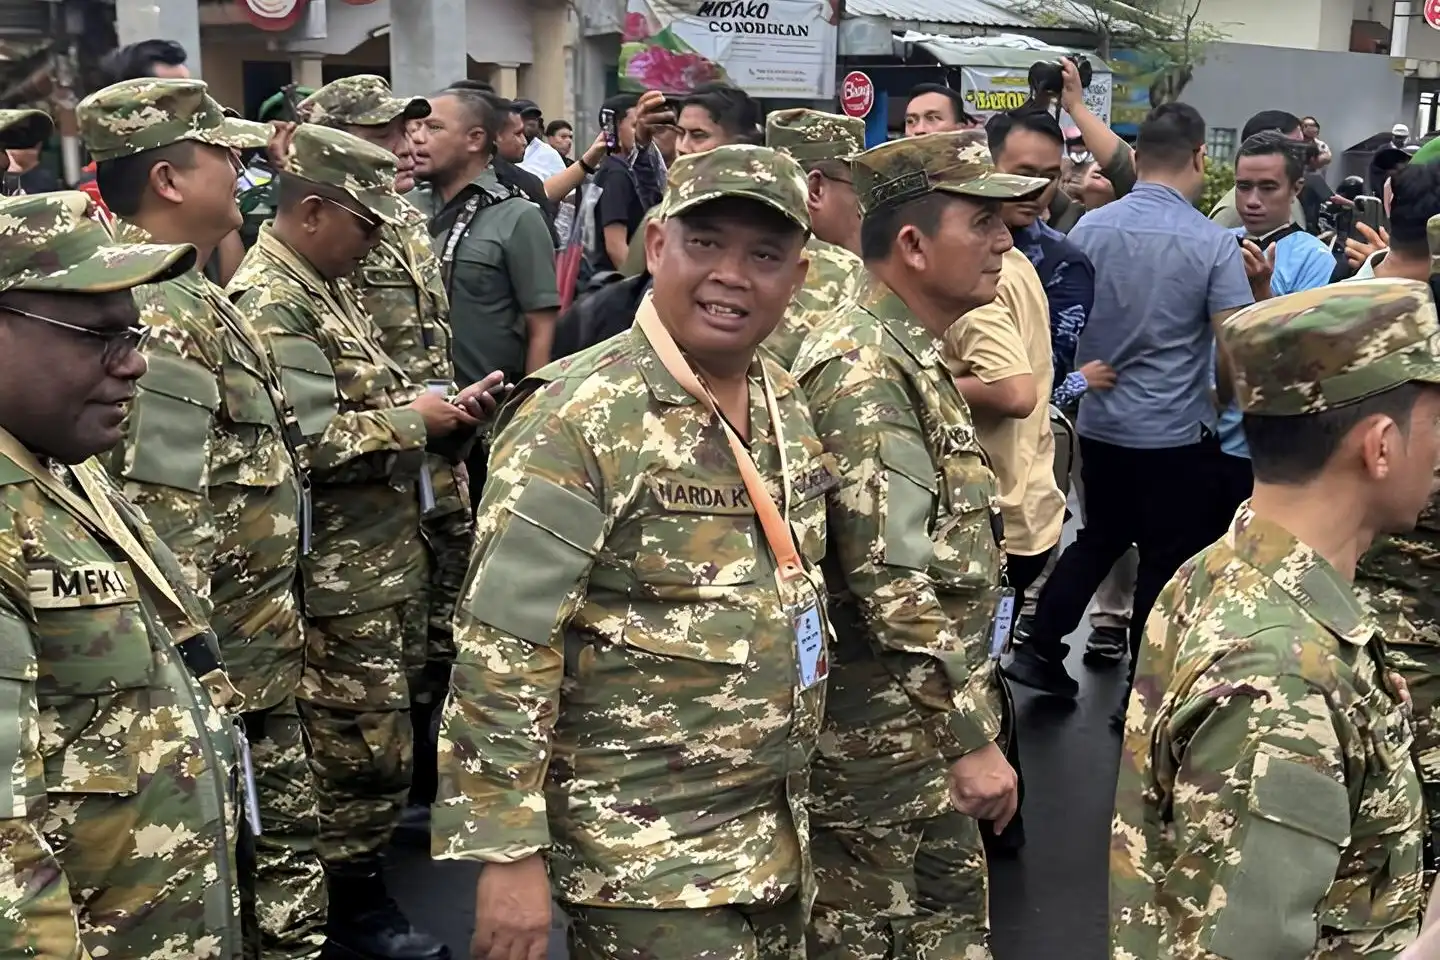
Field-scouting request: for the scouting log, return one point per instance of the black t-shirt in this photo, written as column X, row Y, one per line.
column 1312, row 197
column 618, row 202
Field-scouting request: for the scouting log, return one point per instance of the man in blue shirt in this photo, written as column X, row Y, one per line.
column 1029, row 142
column 1166, row 278
column 1269, row 174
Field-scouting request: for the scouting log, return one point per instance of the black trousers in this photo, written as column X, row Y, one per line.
column 1024, row 571
column 1168, row 503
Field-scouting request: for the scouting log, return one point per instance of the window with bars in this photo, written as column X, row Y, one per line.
column 1220, row 144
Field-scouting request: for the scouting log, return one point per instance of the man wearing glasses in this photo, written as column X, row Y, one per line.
column 822, row 144
column 205, row 454
column 363, row 431
column 118, row 826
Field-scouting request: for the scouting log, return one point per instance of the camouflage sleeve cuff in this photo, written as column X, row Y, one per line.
column 409, row 427
column 975, row 721
column 510, row 826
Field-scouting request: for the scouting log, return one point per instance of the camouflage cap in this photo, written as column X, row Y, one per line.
column 24, row 128
column 738, row 170
column 364, row 101
column 951, row 162
column 55, row 241
column 136, row 115
column 1332, row 346
column 809, row 135
column 339, row 159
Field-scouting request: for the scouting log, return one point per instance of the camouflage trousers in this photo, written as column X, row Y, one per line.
column 449, row 537
column 283, row 898
column 720, row 933
column 356, row 708
column 905, row 891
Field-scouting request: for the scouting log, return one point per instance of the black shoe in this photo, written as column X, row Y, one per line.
column 1024, row 627
column 1041, row 673
column 367, row 924
column 413, row 830
column 1107, row 646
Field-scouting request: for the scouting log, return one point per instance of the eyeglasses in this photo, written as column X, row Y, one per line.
column 117, row 343
column 370, row 225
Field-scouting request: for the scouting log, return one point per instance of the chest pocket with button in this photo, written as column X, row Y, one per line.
column 250, row 407
column 308, row 382
column 168, row 434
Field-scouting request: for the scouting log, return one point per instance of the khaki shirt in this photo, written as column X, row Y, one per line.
column 1004, row 339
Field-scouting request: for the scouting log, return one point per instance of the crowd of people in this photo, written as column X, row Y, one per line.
column 692, row 607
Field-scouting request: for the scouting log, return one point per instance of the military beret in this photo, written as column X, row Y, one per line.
column 952, row 162
column 738, row 170
column 809, row 135
column 136, row 115
column 55, row 241
column 339, row 159
column 1332, row 346
column 364, row 100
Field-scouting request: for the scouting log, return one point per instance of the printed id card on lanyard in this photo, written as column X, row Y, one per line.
column 801, row 604
column 1002, row 627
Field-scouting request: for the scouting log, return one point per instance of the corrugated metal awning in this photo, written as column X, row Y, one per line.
column 978, row 13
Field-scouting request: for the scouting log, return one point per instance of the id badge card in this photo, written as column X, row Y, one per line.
column 1002, row 628
column 247, row 780
column 306, row 519
column 810, row 654
column 427, row 490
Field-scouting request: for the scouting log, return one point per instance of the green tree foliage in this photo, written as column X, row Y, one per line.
column 1219, row 180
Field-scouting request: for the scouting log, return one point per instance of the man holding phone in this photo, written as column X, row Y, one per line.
column 1280, row 259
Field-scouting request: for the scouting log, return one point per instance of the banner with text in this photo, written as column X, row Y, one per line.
column 992, row 90
column 773, row 48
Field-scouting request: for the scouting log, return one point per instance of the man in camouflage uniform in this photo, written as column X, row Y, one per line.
column 821, row 143
column 205, row 455
column 916, row 572
column 1399, row 578
column 1268, row 805
column 401, row 289
column 119, row 826
column 364, row 429
column 631, row 701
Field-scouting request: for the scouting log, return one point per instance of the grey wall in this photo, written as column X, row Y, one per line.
column 1353, row 95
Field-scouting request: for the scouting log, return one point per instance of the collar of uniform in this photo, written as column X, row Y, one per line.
column 287, row 258
column 887, row 307
column 1303, row 574
column 667, row 390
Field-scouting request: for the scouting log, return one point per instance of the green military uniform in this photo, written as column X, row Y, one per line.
column 836, row 275
column 401, row 290
column 627, row 694
column 913, row 687
column 119, row 826
column 1268, row 805
column 364, row 450
column 1398, row 578
column 205, row 456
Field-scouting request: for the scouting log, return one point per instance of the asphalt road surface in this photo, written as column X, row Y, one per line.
column 1048, row 902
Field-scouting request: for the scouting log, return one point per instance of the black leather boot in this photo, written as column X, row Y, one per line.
column 367, row 924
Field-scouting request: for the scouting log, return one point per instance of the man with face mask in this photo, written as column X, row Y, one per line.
column 909, row 760
column 401, row 291
column 206, row 455
column 365, row 428
column 822, row 144
column 642, row 645
column 119, row 827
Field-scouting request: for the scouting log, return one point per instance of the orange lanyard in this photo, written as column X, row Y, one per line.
column 775, row 526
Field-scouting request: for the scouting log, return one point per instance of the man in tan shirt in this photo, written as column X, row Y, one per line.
column 1000, row 356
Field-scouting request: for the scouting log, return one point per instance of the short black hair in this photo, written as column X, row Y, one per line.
column 956, row 98
column 479, row 86
column 483, row 110
column 621, row 103
column 1000, row 126
column 123, row 181
column 555, row 126
column 1270, row 120
column 1415, row 198
column 882, row 225
column 1170, row 135
column 731, row 108
column 1293, row 450
column 135, row 61
column 1269, row 143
